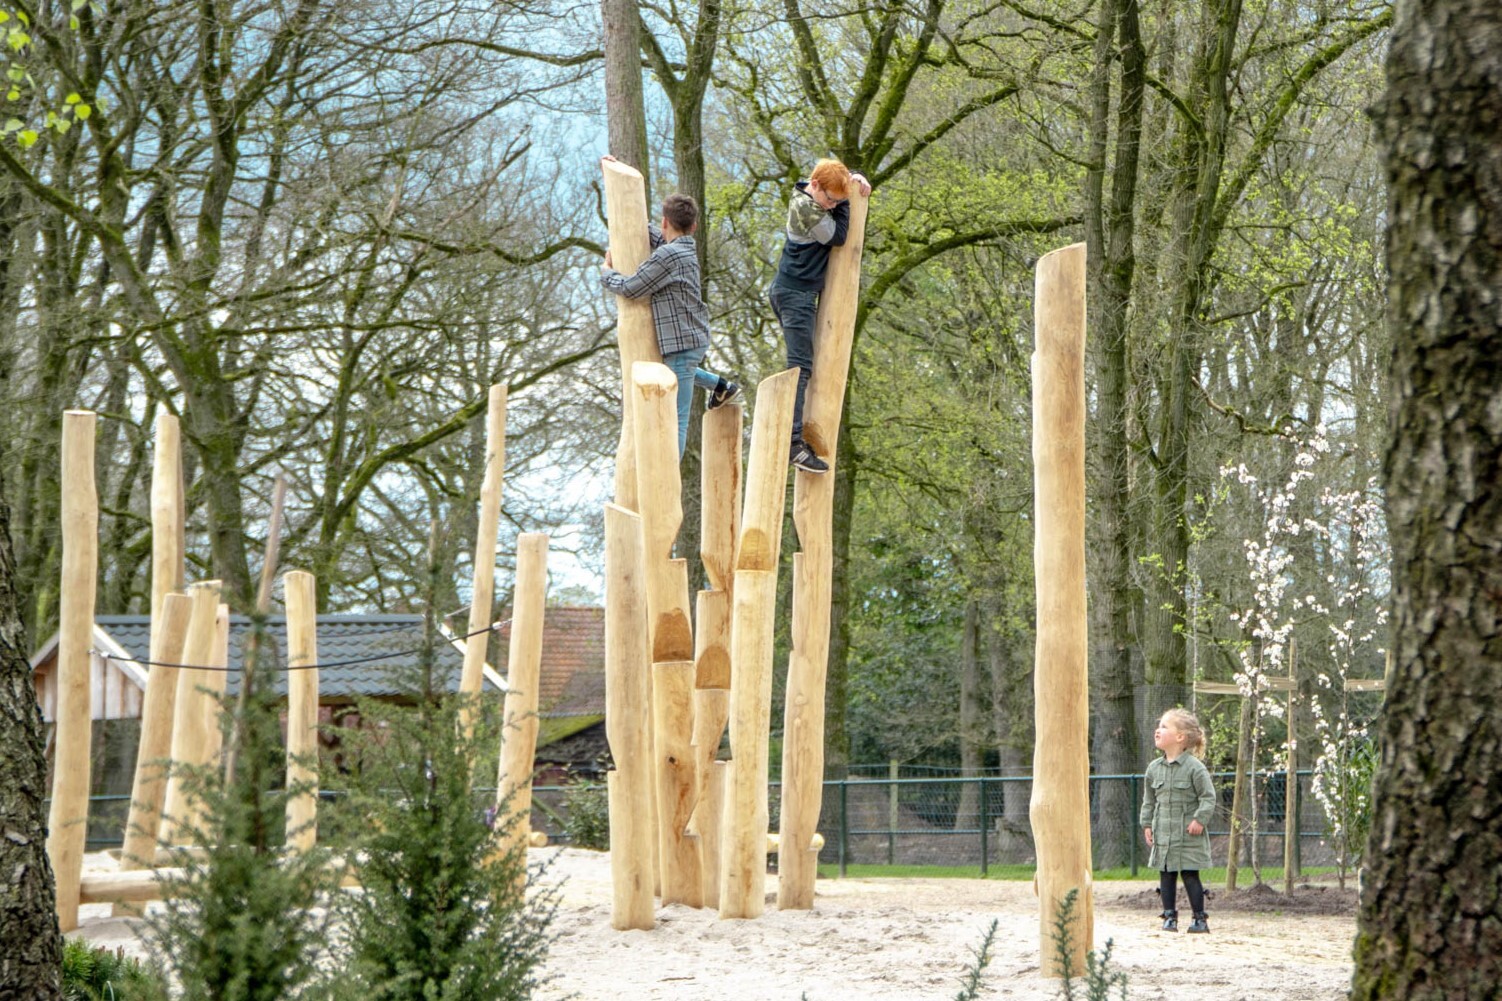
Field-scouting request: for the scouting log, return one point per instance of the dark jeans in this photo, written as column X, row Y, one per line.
column 1168, row 889
column 796, row 310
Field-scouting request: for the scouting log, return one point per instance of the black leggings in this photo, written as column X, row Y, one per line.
column 1168, row 889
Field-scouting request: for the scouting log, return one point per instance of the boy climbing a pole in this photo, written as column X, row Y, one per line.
column 818, row 221
column 670, row 275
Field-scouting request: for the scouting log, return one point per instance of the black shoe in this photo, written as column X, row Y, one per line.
column 725, row 392
column 1198, row 925
column 804, row 458
column 1171, row 921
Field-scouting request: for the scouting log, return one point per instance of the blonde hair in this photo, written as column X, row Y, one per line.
column 1188, row 724
column 833, row 176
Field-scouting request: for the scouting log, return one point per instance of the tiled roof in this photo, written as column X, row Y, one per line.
column 573, row 660
column 340, row 638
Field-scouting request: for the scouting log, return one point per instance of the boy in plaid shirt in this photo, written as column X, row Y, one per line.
column 671, row 277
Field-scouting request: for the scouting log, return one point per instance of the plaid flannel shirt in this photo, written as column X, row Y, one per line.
column 671, row 277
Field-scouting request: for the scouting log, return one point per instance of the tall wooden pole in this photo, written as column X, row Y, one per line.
column 524, row 669
column 1061, row 759
column 67, row 822
column 672, row 710
column 1291, row 782
column 813, row 570
column 189, row 718
column 720, row 488
column 630, row 243
column 743, row 847
column 654, row 410
column 302, row 710
column 169, row 614
column 628, row 701
column 482, row 603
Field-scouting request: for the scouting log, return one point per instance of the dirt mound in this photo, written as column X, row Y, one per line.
column 1307, row 898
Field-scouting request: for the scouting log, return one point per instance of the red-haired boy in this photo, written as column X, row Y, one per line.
column 818, row 220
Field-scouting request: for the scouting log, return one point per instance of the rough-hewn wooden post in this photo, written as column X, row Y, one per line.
column 720, row 488
column 149, row 790
column 481, row 608
column 630, row 243
column 672, row 709
column 708, row 819
column 523, row 670
column 813, row 568
column 302, row 710
column 628, row 702
column 743, row 847
column 190, row 720
column 67, row 821
column 654, row 409
column 1061, row 760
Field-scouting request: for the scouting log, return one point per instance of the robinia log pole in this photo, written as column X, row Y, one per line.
column 481, row 608
column 149, row 789
column 523, row 671
column 654, row 409
column 302, row 710
column 1060, row 808
column 743, row 845
column 813, row 570
column 628, row 702
column 67, row 821
column 630, row 244
column 189, row 719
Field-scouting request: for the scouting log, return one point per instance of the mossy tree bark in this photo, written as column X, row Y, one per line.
column 32, row 958
column 1429, row 921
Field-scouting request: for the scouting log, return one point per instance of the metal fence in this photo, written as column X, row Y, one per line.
column 979, row 821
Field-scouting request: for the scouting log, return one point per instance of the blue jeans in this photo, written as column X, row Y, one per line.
column 797, row 310
column 685, row 365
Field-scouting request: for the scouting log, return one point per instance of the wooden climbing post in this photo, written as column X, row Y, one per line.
column 302, row 710
column 1060, row 808
column 743, row 861
column 813, row 570
column 191, row 718
column 482, row 603
column 67, row 820
column 523, row 670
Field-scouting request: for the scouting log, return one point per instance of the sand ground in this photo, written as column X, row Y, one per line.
column 898, row 940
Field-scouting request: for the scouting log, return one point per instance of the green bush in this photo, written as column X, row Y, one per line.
column 586, row 816
column 96, row 974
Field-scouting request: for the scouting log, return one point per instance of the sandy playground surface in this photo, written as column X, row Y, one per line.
column 904, row 940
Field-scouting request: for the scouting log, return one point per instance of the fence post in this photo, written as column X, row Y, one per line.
column 985, row 823
column 1132, row 819
column 892, row 772
column 844, row 825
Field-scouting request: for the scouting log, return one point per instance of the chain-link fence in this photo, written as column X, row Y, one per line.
column 981, row 821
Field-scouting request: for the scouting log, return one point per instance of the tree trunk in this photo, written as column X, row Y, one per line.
column 1109, row 233
column 1428, row 924
column 1012, row 713
column 625, row 110
column 972, row 722
column 31, row 961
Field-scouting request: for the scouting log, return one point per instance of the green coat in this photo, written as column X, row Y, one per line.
column 1174, row 793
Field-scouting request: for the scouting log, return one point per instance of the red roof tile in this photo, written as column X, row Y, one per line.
column 573, row 660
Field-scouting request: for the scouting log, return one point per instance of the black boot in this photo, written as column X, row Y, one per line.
column 1171, row 921
column 1198, row 925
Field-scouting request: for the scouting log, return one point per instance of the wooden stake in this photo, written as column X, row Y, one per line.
column 720, row 488
column 1060, row 806
column 628, row 702
column 1291, row 782
column 630, row 243
column 767, row 474
column 708, row 825
column 67, row 821
column 190, row 721
column 302, row 710
column 524, row 669
column 149, row 790
column 672, row 707
column 654, row 408
column 743, row 833
column 481, row 608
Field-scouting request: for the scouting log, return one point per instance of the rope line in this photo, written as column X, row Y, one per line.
column 351, row 662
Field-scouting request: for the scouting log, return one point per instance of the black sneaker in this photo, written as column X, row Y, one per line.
column 804, row 458
column 725, row 392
